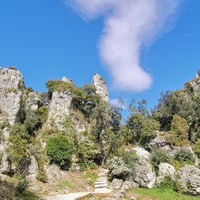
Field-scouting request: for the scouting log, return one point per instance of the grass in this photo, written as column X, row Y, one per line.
column 92, row 175
column 66, row 184
column 163, row 194
column 28, row 196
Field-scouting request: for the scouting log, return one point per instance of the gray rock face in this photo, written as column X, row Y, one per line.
column 189, row 179
column 5, row 165
column 11, row 82
column 59, row 108
column 145, row 176
column 116, row 183
column 33, row 101
column 53, row 172
column 33, row 167
column 160, row 141
column 142, row 153
column 101, row 87
column 129, row 185
column 165, row 170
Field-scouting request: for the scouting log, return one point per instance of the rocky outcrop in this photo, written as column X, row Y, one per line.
column 116, row 183
column 144, row 174
column 5, row 165
column 11, row 84
column 33, row 101
column 189, row 179
column 32, row 169
column 142, row 153
column 101, row 87
column 165, row 170
column 160, row 141
column 59, row 108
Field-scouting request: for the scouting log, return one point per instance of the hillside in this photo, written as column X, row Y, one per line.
column 57, row 142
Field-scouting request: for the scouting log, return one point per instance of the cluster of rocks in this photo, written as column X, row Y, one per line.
column 187, row 177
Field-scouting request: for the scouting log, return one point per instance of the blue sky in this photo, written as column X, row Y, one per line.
column 47, row 39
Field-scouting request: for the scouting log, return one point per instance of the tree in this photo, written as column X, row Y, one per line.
column 32, row 121
column 140, row 124
column 59, row 150
column 17, row 149
column 179, row 131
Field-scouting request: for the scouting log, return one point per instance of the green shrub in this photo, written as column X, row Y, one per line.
column 59, row 150
column 17, row 149
column 167, row 182
column 159, row 156
column 20, row 130
column 22, row 185
column 196, row 148
column 32, row 121
column 129, row 157
column 118, row 168
column 41, row 176
column 185, row 156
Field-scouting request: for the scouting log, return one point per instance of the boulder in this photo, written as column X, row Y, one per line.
column 165, row 170
column 189, row 179
column 11, row 85
column 101, row 87
column 144, row 174
column 33, row 166
column 53, row 173
column 129, row 185
column 160, row 141
column 116, row 183
column 33, row 101
column 142, row 153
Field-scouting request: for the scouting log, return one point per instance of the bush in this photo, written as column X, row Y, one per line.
column 185, row 156
column 19, row 130
column 22, row 185
column 59, row 150
column 118, row 168
column 167, row 182
column 159, row 156
column 17, row 149
column 129, row 157
column 196, row 148
column 32, row 121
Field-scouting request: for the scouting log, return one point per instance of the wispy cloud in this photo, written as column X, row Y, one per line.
column 129, row 26
column 118, row 103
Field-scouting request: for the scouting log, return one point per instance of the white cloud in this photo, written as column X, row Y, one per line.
column 118, row 103
column 129, row 26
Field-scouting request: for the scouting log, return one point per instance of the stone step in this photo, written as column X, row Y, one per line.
column 101, row 179
column 100, row 182
column 102, row 190
column 105, row 185
column 103, row 174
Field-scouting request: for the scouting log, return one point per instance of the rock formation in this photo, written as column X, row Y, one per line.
column 33, row 101
column 189, row 179
column 5, row 166
column 11, row 85
column 144, row 175
column 59, row 108
column 101, row 87
column 165, row 170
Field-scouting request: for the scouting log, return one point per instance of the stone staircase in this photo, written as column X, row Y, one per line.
column 101, row 184
column 100, row 190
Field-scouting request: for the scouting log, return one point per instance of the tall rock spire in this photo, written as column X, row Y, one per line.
column 101, row 87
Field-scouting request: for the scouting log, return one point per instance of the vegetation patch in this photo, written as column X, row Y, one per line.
column 162, row 194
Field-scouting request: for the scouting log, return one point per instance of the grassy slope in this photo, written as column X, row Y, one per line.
column 161, row 194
